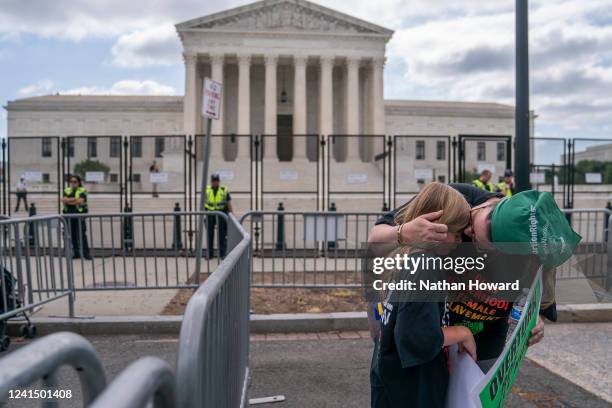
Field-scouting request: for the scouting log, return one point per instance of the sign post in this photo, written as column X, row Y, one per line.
column 211, row 109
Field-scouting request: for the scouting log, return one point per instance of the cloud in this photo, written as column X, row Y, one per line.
column 38, row 88
column 78, row 20
column 462, row 50
column 124, row 87
column 470, row 56
column 152, row 46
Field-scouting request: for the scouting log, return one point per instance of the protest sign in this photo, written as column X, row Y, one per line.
column 469, row 387
column 494, row 388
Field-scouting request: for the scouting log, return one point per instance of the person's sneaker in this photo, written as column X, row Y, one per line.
column 76, row 256
column 88, row 257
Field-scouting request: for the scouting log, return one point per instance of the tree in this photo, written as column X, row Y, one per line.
column 83, row 167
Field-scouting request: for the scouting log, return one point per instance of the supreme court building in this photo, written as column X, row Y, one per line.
column 306, row 80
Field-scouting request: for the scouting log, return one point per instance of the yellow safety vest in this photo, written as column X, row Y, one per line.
column 82, row 208
column 216, row 202
column 483, row 186
column 501, row 186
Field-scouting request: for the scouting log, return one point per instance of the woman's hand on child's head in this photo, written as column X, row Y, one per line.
column 424, row 229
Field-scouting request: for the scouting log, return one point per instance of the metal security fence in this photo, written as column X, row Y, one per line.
column 147, row 381
column 46, row 258
column 34, row 260
column 593, row 257
column 303, row 172
column 212, row 365
column 42, row 359
column 212, row 361
column 143, row 250
column 323, row 249
column 307, row 249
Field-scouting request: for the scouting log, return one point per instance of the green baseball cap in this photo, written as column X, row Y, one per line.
column 531, row 223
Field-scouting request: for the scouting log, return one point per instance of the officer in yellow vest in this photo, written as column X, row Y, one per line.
column 75, row 202
column 506, row 187
column 217, row 199
column 483, row 182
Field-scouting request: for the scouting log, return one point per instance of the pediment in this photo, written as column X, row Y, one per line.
column 284, row 15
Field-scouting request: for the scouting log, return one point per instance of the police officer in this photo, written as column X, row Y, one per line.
column 75, row 202
column 506, row 187
column 484, row 181
column 217, row 199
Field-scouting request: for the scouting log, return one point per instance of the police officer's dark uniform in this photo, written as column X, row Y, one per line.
column 217, row 199
column 78, row 231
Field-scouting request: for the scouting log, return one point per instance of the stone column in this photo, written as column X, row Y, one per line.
column 216, row 143
column 299, row 106
column 352, row 106
column 190, row 103
column 216, row 68
column 378, row 99
column 244, row 103
column 326, row 117
column 271, row 62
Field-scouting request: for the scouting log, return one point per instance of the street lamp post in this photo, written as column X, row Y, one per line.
column 521, row 114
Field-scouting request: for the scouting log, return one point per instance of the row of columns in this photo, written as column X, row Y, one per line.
column 326, row 102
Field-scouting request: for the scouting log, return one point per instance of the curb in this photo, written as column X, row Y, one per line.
column 273, row 323
column 102, row 325
column 585, row 313
column 309, row 322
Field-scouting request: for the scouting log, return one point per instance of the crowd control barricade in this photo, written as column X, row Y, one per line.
column 212, row 365
column 34, row 261
column 149, row 379
column 42, row 359
column 592, row 256
column 154, row 250
column 308, row 249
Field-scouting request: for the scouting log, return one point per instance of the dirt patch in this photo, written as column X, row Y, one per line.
column 287, row 300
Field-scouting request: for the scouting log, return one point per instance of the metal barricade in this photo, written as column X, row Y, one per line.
column 308, row 249
column 212, row 364
column 34, row 261
column 142, row 250
column 591, row 258
column 41, row 361
column 148, row 379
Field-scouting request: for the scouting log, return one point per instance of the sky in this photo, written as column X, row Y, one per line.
column 441, row 50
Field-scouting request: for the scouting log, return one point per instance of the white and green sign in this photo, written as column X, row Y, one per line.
column 494, row 388
column 470, row 388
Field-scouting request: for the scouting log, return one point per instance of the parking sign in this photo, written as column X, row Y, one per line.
column 211, row 98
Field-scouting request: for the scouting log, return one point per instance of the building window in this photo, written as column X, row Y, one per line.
column 114, row 178
column 136, row 177
column 46, row 147
column 420, row 150
column 501, row 151
column 46, row 178
column 115, row 146
column 136, row 146
column 70, row 147
column 92, row 147
column 442, row 179
column 481, row 152
column 441, row 150
column 159, row 146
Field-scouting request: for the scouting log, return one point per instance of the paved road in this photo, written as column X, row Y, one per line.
column 319, row 372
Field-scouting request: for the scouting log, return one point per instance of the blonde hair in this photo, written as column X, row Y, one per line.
column 434, row 197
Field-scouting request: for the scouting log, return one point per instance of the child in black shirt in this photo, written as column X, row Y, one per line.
column 409, row 363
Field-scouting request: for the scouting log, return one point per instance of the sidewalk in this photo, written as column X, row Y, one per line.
column 579, row 352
